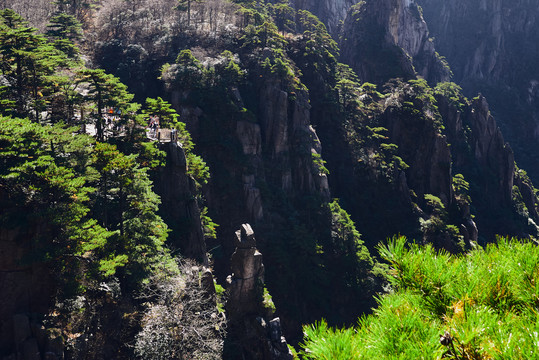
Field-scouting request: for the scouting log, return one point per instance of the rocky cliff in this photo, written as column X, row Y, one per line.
column 492, row 48
column 179, row 206
column 478, row 147
column 331, row 13
column 253, row 332
column 388, row 39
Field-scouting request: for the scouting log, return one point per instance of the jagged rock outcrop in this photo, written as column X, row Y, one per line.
column 492, row 47
column 330, row 12
column 424, row 149
column 480, row 153
column 388, row 39
column 247, row 279
column 251, row 332
column 289, row 139
column 485, row 146
column 428, row 154
column 179, row 208
column 280, row 148
column 490, row 149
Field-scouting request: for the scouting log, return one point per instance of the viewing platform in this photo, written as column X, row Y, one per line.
column 162, row 135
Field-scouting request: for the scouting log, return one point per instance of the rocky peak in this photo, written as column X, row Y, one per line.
column 478, row 147
column 247, row 279
column 259, row 336
column 389, row 38
column 490, row 149
column 492, row 48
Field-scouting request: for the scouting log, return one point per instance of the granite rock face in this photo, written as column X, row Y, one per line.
column 490, row 149
column 289, row 139
column 388, row 39
column 330, row 12
column 485, row 145
column 425, row 150
column 492, row 47
column 254, row 334
column 179, row 207
column 480, row 152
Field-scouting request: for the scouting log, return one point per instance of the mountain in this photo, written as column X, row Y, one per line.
column 322, row 137
column 390, row 39
column 492, row 49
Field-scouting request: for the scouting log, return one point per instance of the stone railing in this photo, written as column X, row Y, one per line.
column 163, row 135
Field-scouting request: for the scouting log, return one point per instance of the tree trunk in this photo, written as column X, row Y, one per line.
column 99, row 120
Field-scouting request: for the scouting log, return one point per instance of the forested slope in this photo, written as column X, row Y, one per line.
column 326, row 146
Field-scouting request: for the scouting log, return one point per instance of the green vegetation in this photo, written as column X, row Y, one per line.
column 105, row 91
column 436, row 228
column 268, row 302
column 350, row 259
column 92, row 199
column 462, row 189
column 482, row 305
column 452, row 92
column 168, row 117
column 28, row 62
column 283, row 15
column 77, row 171
column 96, row 200
column 65, row 30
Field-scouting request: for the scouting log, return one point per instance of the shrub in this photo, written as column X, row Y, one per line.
column 182, row 320
column 482, row 305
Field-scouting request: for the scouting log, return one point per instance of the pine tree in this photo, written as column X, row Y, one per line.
column 12, row 19
column 106, row 90
column 65, row 30
column 168, row 117
column 17, row 42
column 26, row 61
column 283, row 15
column 126, row 205
column 185, row 5
column 44, row 182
